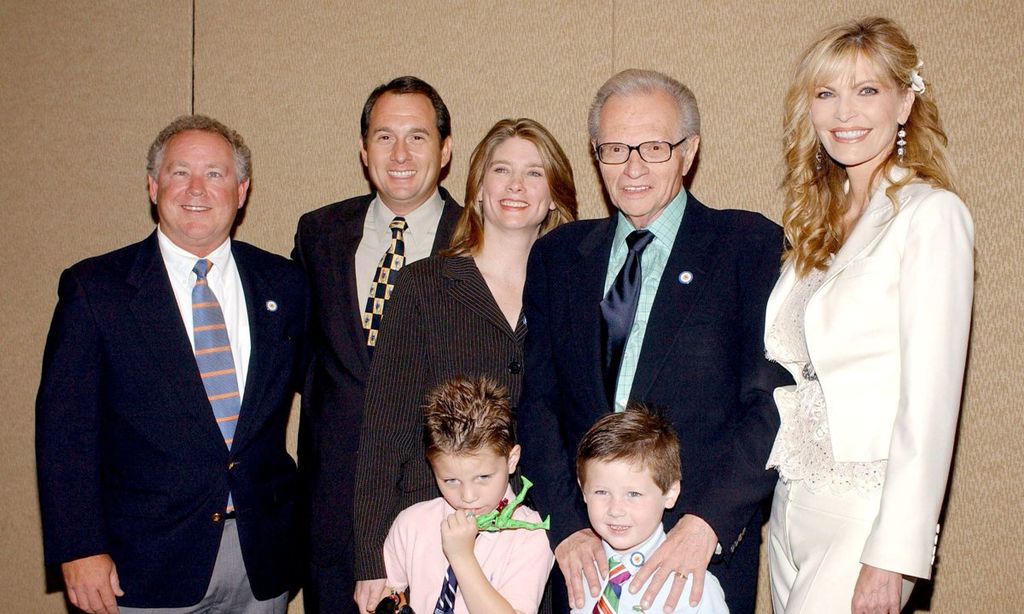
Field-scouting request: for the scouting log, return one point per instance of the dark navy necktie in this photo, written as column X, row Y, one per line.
column 618, row 309
column 446, row 600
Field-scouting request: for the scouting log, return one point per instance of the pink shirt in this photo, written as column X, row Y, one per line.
column 516, row 562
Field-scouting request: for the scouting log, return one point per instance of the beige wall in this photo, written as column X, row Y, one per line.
column 84, row 87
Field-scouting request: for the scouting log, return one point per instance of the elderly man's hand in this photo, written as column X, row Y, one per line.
column 92, row 584
column 581, row 554
column 687, row 549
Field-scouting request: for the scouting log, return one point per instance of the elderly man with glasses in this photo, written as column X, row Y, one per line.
column 662, row 304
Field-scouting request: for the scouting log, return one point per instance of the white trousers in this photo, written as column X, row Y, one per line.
column 815, row 540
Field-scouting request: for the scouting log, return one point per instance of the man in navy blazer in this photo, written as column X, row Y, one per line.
column 405, row 143
column 148, row 499
column 694, row 349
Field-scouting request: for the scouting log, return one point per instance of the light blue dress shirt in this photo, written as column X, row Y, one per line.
column 652, row 263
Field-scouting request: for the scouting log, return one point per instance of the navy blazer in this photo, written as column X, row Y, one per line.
column 702, row 365
column 130, row 458
column 332, row 402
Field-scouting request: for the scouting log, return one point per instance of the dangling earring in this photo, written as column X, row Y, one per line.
column 901, row 143
column 818, row 163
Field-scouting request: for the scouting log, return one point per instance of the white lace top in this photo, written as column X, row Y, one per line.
column 803, row 449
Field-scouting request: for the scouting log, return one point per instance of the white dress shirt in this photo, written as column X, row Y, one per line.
column 226, row 286
column 418, row 238
column 711, row 602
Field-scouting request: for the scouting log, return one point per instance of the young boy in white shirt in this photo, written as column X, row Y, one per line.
column 627, row 466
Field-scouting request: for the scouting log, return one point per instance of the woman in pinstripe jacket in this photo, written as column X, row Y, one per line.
column 458, row 313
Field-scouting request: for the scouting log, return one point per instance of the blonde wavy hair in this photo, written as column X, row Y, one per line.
column 815, row 197
column 468, row 236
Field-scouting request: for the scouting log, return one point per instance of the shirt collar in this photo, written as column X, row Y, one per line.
column 635, row 557
column 425, row 216
column 180, row 262
column 665, row 226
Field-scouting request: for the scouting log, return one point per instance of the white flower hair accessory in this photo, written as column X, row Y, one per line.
column 916, row 82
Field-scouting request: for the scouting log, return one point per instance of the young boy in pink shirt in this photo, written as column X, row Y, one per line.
column 434, row 548
column 627, row 465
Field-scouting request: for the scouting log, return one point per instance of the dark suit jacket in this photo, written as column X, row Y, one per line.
column 702, row 364
column 332, row 404
column 442, row 322
column 131, row 461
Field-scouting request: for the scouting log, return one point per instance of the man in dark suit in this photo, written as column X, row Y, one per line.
column 662, row 303
column 168, row 376
column 349, row 250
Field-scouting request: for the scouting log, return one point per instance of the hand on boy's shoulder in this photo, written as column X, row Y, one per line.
column 687, row 550
column 581, row 555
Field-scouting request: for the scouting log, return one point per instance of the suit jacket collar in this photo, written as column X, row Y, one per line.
column 671, row 307
column 464, row 283
column 586, row 286
column 878, row 213
column 161, row 328
column 690, row 259
column 446, row 226
column 266, row 339
column 345, row 234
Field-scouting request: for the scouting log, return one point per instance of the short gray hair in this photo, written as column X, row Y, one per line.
column 243, row 157
column 636, row 81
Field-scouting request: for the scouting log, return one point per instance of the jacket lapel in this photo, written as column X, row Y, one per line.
column 877, row 215
column 161, row 329
column 586, row 289
column 446, row 225
column 265, row 343
column 674, row 301
column 464, row 284
column 345, row 238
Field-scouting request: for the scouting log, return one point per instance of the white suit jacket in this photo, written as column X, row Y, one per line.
column 887, row 335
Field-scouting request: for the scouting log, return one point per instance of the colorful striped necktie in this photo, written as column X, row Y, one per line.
column 384, row 280
column 617, row 576
column 446, row 601
column 213, row 356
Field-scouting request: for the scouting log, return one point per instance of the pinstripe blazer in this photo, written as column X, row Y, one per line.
column 442, row 321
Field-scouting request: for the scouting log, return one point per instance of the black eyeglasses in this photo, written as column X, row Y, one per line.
column 650, row 151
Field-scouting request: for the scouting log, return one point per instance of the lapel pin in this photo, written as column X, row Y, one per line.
column 637, row 559
column 271, row 305
column 685, row 277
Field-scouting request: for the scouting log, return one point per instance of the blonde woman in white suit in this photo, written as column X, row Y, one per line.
column 871, row 316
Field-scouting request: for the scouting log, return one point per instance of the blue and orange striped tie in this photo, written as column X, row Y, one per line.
column 213, row 355
column 617, row 576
